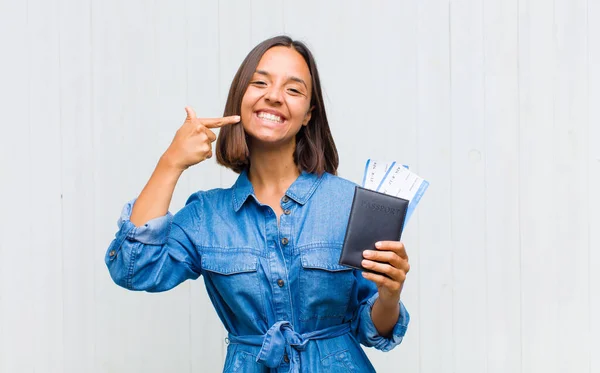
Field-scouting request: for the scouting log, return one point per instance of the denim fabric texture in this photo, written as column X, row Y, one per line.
column 278, row 289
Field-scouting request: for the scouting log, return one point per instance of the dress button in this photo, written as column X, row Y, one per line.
column 280, row 283
column 286, row 359
column 285, row 199
column 284, row 241
column 287, row 211
column 112, row 253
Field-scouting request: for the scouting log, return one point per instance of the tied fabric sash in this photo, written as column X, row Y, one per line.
column 281, row 338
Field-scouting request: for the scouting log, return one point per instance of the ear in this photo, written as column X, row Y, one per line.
column 307, row 116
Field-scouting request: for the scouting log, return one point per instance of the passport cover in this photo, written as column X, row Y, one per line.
column 374, row 216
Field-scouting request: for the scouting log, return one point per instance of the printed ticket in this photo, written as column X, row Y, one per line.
column 374, row 173
column 397, row 180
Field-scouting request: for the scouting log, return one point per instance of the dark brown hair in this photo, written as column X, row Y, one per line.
column 315, row 149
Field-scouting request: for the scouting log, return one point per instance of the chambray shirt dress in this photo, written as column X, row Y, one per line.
column 286, row 303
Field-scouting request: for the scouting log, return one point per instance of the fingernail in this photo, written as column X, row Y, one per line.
column 378, row 245
column 238, row 118
column 367, row 253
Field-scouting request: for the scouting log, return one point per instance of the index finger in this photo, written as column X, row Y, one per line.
column 396, row 246
column 191, row 114
column 219, row 122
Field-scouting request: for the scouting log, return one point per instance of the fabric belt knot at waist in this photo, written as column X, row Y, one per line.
column 281, row 339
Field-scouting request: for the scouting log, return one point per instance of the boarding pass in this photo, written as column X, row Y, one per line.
column 395, row 179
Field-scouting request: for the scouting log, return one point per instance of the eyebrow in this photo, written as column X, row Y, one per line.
column 294, row 78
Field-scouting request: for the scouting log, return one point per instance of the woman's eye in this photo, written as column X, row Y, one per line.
column 295, row 91
column 258, row 82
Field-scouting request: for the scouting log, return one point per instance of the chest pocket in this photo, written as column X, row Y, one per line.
column 233, row 275
column 325, row 286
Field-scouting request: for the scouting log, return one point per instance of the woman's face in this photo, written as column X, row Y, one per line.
column 277, row 101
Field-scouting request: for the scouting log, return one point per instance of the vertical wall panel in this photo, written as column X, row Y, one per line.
column 537, row 181
column 468, row 203
column 502, row 164
column 435, row 160
column 16, row 280
column 593, row 169
column 45, row 224
column 77, row 173
column 570, row 179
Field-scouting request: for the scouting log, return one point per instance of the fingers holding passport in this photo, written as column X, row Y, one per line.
column 391, row 261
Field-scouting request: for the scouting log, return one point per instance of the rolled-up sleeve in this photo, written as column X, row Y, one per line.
column 156, row 256
column 363, row 322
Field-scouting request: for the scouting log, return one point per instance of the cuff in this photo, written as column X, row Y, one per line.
column 370, row 333
column 154, row 232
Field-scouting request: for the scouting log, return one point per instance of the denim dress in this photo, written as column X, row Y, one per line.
column 286, row 303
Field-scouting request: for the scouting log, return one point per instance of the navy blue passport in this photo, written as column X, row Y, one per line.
column 374, row 216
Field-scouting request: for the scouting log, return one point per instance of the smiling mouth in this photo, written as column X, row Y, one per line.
column 270, row 117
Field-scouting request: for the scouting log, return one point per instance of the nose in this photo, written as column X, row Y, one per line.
column 274, row 94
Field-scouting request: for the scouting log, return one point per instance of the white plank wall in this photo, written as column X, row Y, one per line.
column 593, row 178
column 502, row 185
column 495, row 102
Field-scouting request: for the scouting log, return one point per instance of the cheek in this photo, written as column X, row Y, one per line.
column 300, row 110
column 246, row 109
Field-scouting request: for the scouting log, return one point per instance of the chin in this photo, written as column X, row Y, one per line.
column 266, row 134
column 270, row 140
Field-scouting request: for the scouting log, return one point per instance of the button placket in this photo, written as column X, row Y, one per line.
column 284, row 201
column 280, row 300
column 285, row 237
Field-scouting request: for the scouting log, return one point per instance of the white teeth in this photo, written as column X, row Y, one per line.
column 271, row 117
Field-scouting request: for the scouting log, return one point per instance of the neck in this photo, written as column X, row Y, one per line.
column 272, row 170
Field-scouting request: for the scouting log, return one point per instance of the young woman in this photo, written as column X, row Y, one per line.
column 268, row 247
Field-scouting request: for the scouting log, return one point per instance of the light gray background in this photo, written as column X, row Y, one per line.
column 495, row 102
